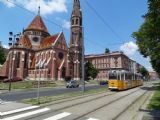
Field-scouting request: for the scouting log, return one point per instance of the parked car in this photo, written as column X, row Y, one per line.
column 103, row 82
column 14, row 79
column 72, row 84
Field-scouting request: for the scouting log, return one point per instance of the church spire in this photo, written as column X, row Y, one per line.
column 39, row 10
column 76, row 4
column 76, row 38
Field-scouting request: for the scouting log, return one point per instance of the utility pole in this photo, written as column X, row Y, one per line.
column 13, row 40
column 83, row 79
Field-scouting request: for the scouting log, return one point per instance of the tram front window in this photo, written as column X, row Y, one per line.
column 113, row 76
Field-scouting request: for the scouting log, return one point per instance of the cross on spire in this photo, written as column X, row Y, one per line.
column 39, row 8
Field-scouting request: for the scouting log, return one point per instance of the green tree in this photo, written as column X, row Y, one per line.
column 2, row 56
column 148, row 36
column 90, row 71
column 107, row 50
column 144, row 72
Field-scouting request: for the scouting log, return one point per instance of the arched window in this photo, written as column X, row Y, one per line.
column 76, row 21
column 18, row 59
column 72, row 22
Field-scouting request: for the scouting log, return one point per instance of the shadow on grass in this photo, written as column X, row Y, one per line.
column 153, row 109
column 150, row 115
column 153, row 88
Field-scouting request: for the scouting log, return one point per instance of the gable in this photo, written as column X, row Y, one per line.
column 61, row 43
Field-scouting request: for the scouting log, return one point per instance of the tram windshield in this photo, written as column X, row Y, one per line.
column 112, row 76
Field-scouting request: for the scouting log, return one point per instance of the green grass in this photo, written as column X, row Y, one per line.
column 155, row 100
column 30, row 84
column 33, row 84
column 93, row 82
column 48, row 99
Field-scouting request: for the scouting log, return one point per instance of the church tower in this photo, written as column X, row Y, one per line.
column 76, row 41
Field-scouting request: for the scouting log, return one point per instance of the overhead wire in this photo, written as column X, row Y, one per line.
column 60, row 26
column 104, row 21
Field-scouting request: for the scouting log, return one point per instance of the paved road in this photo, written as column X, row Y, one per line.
column 19, row 95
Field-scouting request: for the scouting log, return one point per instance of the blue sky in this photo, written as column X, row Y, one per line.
column 124, row 17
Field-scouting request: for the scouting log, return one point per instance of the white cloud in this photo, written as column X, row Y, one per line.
column 7, row 3
column 47, row 6
column 5, row 46
column 129, row 48
column 66, row 24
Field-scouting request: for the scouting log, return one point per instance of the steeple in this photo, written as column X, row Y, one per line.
column 37, row 24
column 76, row 38
column 76, row 9
column 76, row 4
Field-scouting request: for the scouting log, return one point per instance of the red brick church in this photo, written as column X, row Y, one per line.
column 38, row 54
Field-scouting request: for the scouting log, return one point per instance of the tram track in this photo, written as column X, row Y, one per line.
column 130, row 112
column 55, row 110
column 86, row 101
column 117, row 116
column 104, row 105
column 75, row 98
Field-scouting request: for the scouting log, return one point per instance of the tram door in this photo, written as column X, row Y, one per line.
column 120, row 80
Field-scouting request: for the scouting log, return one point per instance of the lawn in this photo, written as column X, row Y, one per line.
column 34, row 84
column 30, row 84
column 155, row 100
column 48, row 99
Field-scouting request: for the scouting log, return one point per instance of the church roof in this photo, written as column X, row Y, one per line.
column 25, row 42
column 37, row 24
column 49, row 41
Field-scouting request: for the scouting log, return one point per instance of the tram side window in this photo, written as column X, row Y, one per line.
column 135, row 77
column 122, row 76
column 118, row 77
column 128, row 77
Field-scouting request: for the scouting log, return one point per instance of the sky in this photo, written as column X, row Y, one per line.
column 107, row 23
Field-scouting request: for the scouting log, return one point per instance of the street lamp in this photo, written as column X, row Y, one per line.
column 39, row 69
column 13, row 41
column 82, row 64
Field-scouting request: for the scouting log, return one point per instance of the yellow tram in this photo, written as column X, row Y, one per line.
column 121, row 80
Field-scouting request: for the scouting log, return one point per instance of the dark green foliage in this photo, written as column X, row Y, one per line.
column 148, row 36
column 144, row 72
column 90, row 71
column 155, row 101
column 107, row 50
column 2, row 56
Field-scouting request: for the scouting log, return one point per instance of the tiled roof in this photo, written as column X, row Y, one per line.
column 25, row 42
column 48, row 41
column 37, row 24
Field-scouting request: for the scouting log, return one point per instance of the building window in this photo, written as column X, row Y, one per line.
column 72, row 22
column 18, row 59
column 25, row 60
column 76, row 21
column 35, row 39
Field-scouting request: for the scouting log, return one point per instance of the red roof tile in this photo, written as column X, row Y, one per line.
column 48, row 41
column 37, row 24
column 25, row 42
